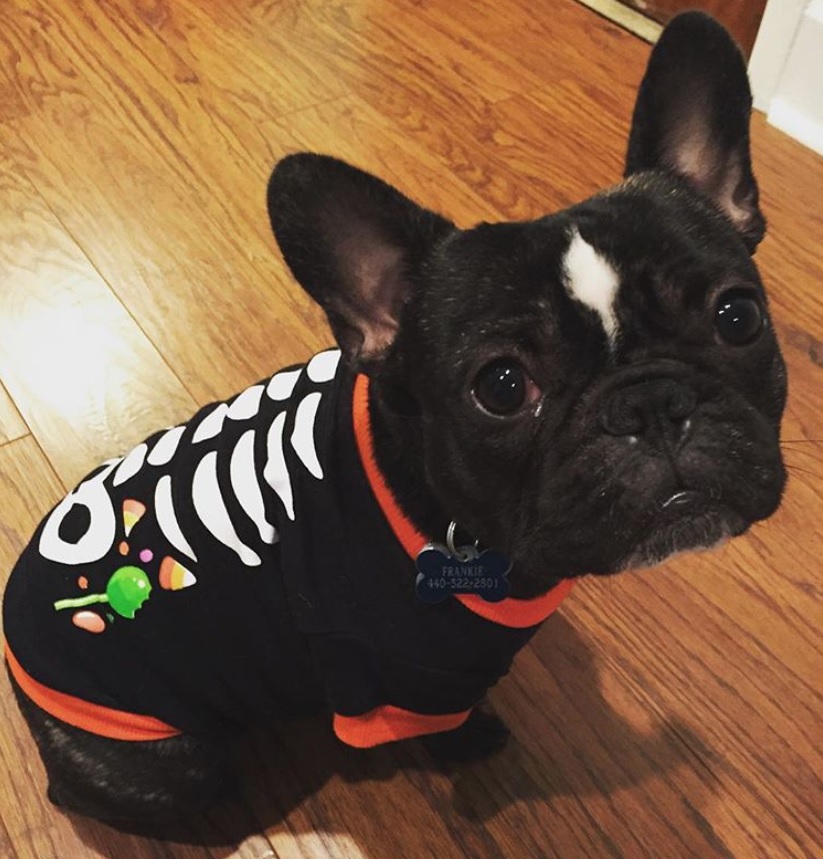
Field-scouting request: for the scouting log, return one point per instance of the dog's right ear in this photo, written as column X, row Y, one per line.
column 351, row 241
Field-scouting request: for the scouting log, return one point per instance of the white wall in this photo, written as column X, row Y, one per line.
column 786, row 69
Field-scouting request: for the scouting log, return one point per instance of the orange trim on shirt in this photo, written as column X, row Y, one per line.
column 519, row 613
column 388, row 723
column 410, row 538
column 94, row 718
column 510, row 612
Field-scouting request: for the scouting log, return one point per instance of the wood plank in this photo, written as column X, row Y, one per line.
column 224, row 288
column 670, row 713
column 12, row 103
column 12, row 426
column 82, row 373
column 123, row 161
column 406, row 50
column 515, row 168
column 28, row 487
column 365, row 137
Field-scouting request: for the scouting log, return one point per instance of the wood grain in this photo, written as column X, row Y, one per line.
column 673, row 713
column 12, row 426
column 78, row 367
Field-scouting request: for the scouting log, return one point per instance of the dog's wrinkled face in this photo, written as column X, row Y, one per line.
column 592, row 390
column 615, row 374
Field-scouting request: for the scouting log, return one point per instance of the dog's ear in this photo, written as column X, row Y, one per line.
column 692, row 118
column 351, row 241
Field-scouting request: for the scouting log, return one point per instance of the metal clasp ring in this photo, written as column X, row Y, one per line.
column 462, row 555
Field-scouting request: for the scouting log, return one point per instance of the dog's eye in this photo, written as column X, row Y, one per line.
column 739, row 317
column 501, row 387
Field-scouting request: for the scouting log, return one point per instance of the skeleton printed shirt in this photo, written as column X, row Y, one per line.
column 245, row 565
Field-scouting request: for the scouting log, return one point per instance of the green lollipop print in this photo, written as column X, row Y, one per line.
column 127, row 589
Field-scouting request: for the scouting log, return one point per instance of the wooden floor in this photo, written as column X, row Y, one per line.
column 677, row 713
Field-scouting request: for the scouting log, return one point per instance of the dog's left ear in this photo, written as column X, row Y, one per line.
column 692, row 118
column 352, row 242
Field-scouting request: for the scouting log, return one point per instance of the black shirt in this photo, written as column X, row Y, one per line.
column 239, row 567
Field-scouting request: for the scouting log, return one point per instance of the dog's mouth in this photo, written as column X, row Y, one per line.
column 684, row 499
column 687, row 520
column 642, row 516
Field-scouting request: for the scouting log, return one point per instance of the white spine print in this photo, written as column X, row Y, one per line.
column 244, row 482
column 167, row 520
column 275, row 473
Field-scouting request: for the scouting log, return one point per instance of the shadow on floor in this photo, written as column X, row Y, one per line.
column 284, row 767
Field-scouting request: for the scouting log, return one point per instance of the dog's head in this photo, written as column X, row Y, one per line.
column 591, row 390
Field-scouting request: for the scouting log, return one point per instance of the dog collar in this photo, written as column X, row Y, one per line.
column 511, row 612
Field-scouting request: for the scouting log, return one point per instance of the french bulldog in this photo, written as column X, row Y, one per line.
column 379, row 531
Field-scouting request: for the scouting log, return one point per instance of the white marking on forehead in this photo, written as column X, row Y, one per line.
column 592, row 280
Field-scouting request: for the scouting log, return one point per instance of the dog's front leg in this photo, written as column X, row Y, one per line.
column 480, row 736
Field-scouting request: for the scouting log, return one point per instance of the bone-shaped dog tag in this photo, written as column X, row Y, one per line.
column 442, row 574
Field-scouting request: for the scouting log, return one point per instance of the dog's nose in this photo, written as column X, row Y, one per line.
column 651, row 408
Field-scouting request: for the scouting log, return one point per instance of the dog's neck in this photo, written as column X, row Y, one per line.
column 398, row 451
column 397, row 448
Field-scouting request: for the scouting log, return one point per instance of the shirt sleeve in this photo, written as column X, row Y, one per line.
column 387, row 723
column 377, row 701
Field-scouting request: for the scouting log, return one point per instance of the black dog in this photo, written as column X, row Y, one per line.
column 583, row 393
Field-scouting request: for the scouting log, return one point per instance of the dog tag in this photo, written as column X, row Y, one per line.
column 441, row 574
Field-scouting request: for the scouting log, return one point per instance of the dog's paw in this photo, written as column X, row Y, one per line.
column 480, row 736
